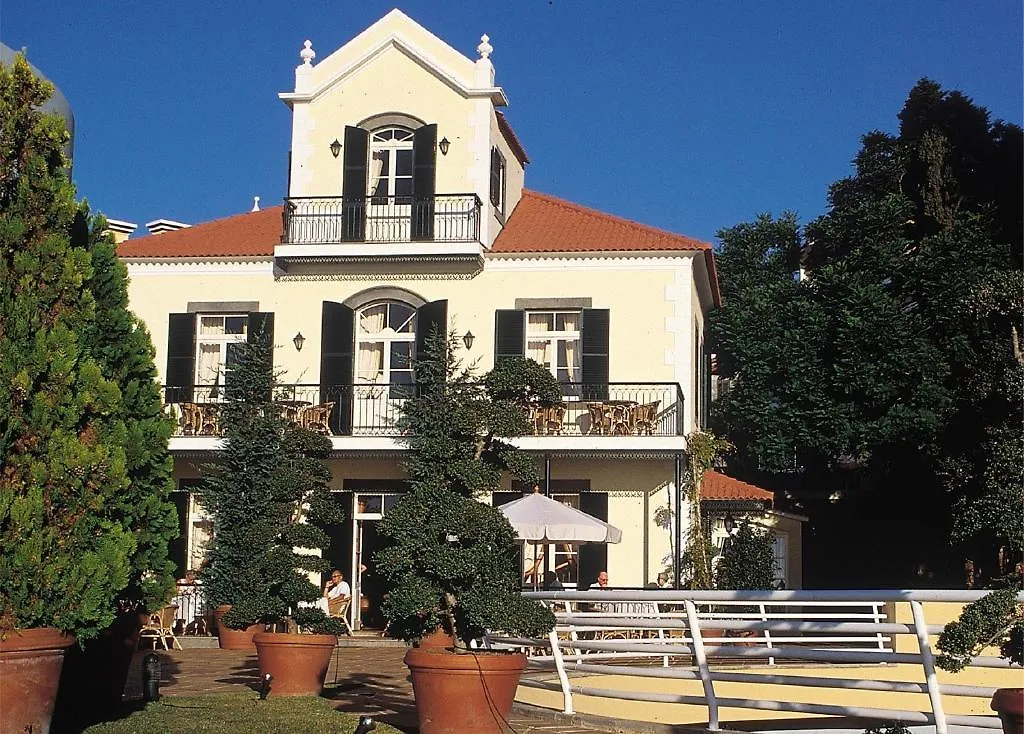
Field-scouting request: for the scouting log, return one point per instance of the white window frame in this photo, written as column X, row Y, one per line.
column 555, row 338
column 221, row 341
column 388, row 336
column 374, row 173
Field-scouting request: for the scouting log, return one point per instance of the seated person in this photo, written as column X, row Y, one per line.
column 336, row 588
column 551, row 582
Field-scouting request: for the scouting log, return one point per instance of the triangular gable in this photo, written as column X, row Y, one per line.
column 399, row 31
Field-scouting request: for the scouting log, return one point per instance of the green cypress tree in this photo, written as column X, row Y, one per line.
column 120, row 343
column 62, row 457
column 267, row 495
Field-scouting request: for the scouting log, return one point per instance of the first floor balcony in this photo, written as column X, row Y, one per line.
column 606, row 410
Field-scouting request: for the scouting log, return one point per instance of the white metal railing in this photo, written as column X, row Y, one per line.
column 597, row 630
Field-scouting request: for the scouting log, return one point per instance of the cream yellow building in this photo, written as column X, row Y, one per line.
column 406, row 210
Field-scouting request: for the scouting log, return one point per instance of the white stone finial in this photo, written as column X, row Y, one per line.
column 255, row 204
column 307, row 54
column 484, row 49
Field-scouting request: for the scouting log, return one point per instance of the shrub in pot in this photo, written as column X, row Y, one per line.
column 452, row 561
column 995, row 620
column 64, row 552
column 270, row 501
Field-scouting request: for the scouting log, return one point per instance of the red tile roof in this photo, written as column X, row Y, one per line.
column 252, row 234
column 543, row 223
column 539, row 224
column 717, row 486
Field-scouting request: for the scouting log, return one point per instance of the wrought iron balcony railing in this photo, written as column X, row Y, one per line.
column 372, row 409
column 312, row 220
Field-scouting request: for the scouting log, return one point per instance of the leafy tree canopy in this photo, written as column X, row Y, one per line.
column 894, row 367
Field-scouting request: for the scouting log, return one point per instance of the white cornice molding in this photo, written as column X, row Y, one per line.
column 169, row 266
column 424, row 59
column 619, row 260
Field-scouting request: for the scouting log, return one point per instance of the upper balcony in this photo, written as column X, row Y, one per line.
column 325, row 229
column 609, row 416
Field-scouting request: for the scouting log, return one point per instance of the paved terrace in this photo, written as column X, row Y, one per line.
column 368, row 681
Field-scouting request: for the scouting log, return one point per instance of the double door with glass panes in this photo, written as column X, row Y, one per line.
column 217, row 340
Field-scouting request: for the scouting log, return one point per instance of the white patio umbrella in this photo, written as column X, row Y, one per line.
column 538, row 519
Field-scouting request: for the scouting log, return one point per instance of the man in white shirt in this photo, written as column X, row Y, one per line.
column 336, row 586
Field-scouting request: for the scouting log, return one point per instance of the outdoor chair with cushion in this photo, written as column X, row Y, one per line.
column 548, row 420
column 600, row 418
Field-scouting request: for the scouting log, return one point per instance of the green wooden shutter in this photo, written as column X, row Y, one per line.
column 353, row 184
column 424, row 164
column 593, row 556
column 336, row 363
column 181, row 355
column 509, row 334
column 594, row 331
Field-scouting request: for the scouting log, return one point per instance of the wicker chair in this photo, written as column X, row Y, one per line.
column 317, row 418
column 191, row 419
column 160, row 627
column 337, row 608
column 548, row 420
column 645, row 418
column 600, row 418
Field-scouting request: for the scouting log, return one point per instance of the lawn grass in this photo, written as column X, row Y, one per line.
column 244, row 713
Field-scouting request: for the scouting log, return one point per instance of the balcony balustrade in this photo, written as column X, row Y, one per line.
column 373, row 409
column 313, row 220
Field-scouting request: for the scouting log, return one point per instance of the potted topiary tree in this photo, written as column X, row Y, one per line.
column 452, row 560
column 64, row 554
column 269, row 498
column 995, row 620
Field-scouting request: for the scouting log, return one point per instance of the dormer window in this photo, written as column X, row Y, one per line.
column 391, row 164
column 498, row 180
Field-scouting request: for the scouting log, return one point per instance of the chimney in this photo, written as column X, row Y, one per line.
column 120, row 230
column 157, row 226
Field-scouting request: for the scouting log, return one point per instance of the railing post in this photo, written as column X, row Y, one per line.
column 702, row 665
column 767, row 633
column 928, row 661
column 563, row 679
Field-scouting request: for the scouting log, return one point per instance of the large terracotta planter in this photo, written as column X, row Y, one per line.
column 231, row 639
column 1009, row 704
column 464, row 692
column 30, row 663
column 297, row 663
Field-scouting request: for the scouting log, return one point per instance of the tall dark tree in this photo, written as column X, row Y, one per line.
column 906, row 398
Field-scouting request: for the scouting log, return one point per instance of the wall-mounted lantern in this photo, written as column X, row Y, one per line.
column 444, row 145
column 335, row 148
column 298, row 340
column 468, row 340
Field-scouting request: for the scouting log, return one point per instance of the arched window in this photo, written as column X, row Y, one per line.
column 390, row 171
column 385, row 343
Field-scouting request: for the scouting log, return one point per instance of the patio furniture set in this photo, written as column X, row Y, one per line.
column 203, row 419
column 607, row 418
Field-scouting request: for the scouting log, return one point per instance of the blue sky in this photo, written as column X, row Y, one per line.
column 687, row 115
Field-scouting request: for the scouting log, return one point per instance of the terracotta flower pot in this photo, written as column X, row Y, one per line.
column 231, row 639
column 30, row 663
column 463, row 692
column 297, row 663
column 1009, row 704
